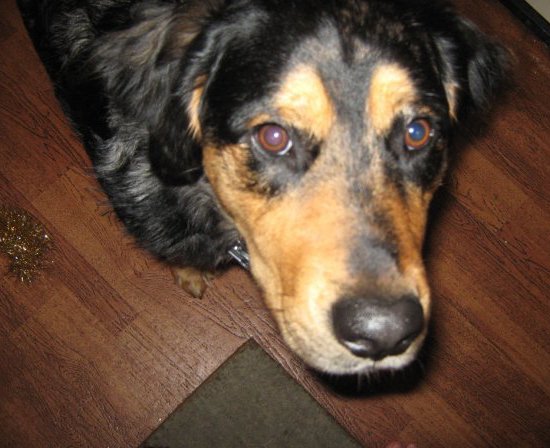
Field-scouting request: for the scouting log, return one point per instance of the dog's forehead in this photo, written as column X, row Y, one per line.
column 349, row 62
column 323, row 73
column 320, row 88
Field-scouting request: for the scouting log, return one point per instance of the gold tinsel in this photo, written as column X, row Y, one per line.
column 24, row 241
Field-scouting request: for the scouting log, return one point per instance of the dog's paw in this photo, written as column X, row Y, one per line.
column 192, row 280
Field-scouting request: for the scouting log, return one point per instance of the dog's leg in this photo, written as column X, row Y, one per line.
column 192, row 280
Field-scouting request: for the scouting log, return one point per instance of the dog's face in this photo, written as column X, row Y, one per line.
column 324, row 132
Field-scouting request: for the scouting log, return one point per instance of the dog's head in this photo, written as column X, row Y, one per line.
column 323, row 129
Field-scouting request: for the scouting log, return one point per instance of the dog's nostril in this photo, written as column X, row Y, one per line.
column 363, row 348
column 375, row 328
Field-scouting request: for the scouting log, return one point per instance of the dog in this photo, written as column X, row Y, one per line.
column 307, row 137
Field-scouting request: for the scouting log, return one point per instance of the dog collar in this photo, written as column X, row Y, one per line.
column 240, row 254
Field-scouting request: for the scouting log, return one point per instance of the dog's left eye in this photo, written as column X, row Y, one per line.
column 418, row 134
column 273, row 139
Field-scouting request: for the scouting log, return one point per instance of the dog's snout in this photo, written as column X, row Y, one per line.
column 375, row 328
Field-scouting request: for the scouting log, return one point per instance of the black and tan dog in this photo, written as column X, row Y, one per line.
column 315, row 131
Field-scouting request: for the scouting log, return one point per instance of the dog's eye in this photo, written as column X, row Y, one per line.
column 418, row 134
column 273, row 139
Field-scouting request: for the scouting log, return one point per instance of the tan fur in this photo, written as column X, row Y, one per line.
column 451, row 88
column 391, row 89
column 304, row 102
column 193, row 107
column 191, row 280
column 408, row 216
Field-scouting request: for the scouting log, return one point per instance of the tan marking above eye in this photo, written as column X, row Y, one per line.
column 391, row 90
column 303, row 102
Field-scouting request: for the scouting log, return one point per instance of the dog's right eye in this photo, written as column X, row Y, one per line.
column 273, row 139
column 418, row 134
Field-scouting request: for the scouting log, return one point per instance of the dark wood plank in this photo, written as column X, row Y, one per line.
column 37, row 145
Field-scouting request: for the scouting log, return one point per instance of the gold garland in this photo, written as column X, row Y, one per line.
column 24, row 241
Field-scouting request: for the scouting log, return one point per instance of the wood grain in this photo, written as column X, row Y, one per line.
column 100, row 349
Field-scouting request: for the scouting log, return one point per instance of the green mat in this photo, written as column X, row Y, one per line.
column 250, row 401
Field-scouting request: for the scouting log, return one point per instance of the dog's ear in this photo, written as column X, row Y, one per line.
column 475, row 68
column 153, row 74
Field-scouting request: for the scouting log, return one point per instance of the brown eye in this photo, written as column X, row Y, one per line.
column 273, row 139
column 418, row 134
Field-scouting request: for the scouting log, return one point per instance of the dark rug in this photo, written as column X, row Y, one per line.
column 250, row 401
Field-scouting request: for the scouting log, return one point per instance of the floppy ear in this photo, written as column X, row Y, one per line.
column 475, row 68
column 488, row 65
column 153, row 75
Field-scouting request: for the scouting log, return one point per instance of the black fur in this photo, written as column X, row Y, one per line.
column 125, row 71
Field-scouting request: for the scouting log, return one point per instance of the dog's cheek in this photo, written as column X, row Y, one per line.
column 226, row 170
column 411, row 219
column 286, row 235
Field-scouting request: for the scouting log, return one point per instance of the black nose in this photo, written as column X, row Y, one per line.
column 375, row 328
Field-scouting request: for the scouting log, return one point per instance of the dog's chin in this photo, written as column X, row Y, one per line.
column 321, row 351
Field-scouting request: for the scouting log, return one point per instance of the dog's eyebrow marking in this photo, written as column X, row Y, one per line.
column 303, row 101
column 391, row 89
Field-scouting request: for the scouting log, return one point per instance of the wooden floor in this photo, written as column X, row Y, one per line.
column 103, row 346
